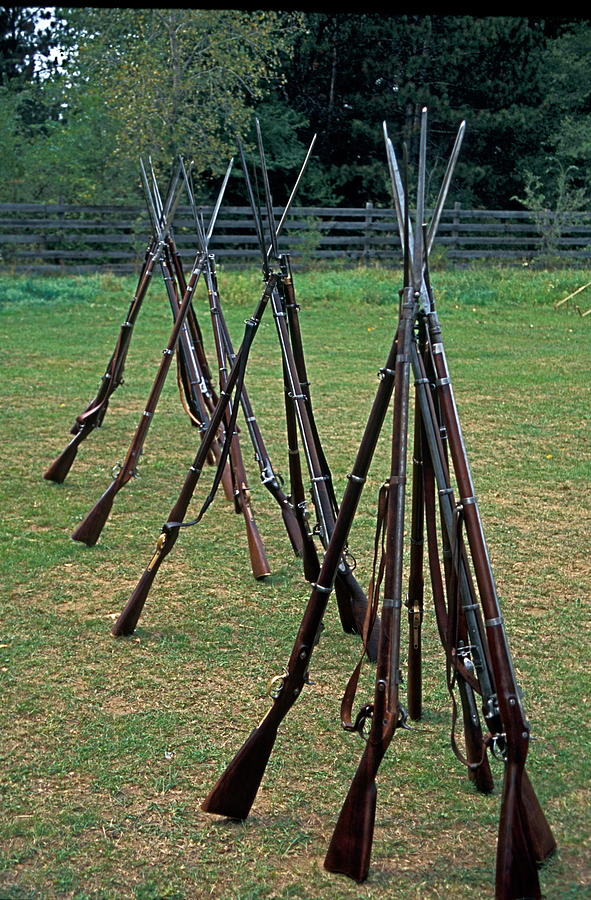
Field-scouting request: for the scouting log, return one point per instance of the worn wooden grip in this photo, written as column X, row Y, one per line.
column 88, row 532
column 349, row 851
column 235, row 791
column 516, row 875
column 62, row 464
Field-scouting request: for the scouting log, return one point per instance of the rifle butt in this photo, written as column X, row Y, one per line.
column 345, row 606
column 543, row 842
column 88, row 532
column 349, row 851
column 235, row 791
column 357, row 608
column 227, row 485
column 516, row 870
column 128, row 619
column 62, row 464
column 258, row 558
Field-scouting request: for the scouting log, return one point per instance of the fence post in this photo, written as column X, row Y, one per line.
column 367, row 232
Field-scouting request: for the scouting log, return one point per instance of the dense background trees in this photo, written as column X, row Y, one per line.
column 164, row 81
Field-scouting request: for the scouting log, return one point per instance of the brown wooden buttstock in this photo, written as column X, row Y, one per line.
column 349, row 851
column 543, row 841
column 258, row 558
column 293, row 530
column 516, row 875
column 88, row 532
column 235, row 791
column 357, row 603
column 60, row 467
column 127, row 621
column 481, row 775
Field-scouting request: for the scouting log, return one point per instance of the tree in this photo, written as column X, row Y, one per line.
column 352, row 71
column 26, row 42
column 175, row 80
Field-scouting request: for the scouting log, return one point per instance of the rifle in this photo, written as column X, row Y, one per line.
column 236, row 789
column 352, row 602
column 194, row 376
column 525, row 838
column 129, row 617
column 92, row 417
column 435, row 465
column 225, row 350
column 523, row 829
column 89, row 530
column 259, row 563
column 269, row 477
column 349, row 850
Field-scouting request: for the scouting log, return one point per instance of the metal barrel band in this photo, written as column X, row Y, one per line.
column 359, row 479
column 321, row 588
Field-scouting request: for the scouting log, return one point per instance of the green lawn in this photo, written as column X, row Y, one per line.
column 110, row 745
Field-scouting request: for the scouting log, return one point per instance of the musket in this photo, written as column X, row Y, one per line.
column 92, row 417
column 435, row 457
column 268, row 475
column 352, row 602
column 523, row 831
column 349, row 850
column 194, row 376
column 258, row 556
column 129, row 617
column 525, row 837
column 236, row 789
column 269, row 478
column 415, row 595
column 90, row 528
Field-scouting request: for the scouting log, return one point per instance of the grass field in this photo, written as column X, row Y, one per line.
column 110, row 745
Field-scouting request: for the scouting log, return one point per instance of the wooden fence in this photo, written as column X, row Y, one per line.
column 74, row 239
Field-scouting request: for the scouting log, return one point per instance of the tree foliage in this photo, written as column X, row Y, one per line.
column 166, row 81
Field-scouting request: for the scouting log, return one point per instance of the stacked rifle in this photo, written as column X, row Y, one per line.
column 446, row 533
column 469, row 619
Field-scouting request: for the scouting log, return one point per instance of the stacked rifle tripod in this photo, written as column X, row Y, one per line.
column 216, row 413
column 446, row 537
column 469, row 619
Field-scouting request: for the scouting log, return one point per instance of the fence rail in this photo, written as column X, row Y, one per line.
column 39, row 238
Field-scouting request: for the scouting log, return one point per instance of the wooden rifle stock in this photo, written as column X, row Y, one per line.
column 349, row 850
column 89, row 531
column 62, row 464
column 244, row 774
column 128, row 619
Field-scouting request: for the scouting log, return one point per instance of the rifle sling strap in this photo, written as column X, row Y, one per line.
column 169, row 526
column 370, row 617
column 447, row 617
